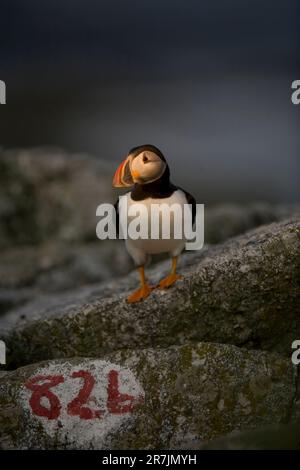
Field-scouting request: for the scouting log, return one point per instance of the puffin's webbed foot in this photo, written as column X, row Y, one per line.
column 171, row 278
column 142, row 293
column 169, row 281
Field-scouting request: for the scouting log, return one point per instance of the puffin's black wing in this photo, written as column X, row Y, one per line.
column 116, row 206
column 192, row 201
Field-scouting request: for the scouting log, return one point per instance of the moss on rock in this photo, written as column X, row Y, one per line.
column 244, row 292
column 192, row 393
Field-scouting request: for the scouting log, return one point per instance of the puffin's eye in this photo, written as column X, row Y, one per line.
column 145, row 158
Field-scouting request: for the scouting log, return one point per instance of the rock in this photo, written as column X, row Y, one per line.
column 244, row 292
column 295, row 413
column 55, row 267
column 273, row 437
column 48, row 242
column 10, row 298
column 227, row 220
column 144, row 399
column 47, row 195
column 153, row 375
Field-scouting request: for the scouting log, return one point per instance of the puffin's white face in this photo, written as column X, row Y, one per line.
column 146, row 167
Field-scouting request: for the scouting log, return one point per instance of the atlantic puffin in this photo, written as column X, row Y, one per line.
column 146, row 170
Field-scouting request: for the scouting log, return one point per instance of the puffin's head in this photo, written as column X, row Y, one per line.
column 144, row 164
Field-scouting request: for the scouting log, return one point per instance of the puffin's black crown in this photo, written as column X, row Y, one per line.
column 142, row 148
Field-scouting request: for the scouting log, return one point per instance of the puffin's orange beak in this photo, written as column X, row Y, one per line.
column 123, row 177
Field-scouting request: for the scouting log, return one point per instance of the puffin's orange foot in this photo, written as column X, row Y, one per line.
column 140, row 294
column 169, row 281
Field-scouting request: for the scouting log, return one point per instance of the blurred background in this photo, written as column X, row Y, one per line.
column 208, row 82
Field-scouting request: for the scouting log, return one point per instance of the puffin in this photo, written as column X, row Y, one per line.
column 146, row 171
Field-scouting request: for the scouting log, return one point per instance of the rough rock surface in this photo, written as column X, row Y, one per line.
column 244, row 292
column 272, row 437
column 223, row 221
column 48, row 243
column 148, row 399
column 55, row 267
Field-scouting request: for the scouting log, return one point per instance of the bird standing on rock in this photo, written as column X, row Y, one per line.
column 145, row 168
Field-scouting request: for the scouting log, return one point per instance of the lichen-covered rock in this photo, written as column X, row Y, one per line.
column 245, row 292
column 144, row 399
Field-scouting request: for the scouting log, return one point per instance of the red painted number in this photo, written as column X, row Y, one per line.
column 76, row 408
column 43, row 391
column 118, row 403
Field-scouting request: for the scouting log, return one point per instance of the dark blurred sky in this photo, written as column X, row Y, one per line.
column 207, row 81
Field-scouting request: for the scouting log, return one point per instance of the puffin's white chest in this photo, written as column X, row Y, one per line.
column 140, row 248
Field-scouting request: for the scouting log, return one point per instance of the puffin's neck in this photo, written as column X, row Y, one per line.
column 159, row 189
